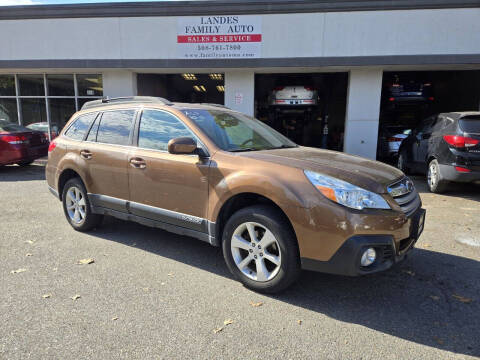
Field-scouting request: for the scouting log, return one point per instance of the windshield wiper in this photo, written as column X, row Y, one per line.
column 245, row 149
column 283, row 147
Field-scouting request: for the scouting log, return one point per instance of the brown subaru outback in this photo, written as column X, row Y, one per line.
column 225, row 178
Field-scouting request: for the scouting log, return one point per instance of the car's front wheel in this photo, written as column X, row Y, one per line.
column 435, row 181
column 77, row 206
column 260, row 250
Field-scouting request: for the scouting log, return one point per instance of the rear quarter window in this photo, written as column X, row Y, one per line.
column 470, row 124
column 80, row 126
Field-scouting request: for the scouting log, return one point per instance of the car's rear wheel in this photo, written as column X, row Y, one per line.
column 435, row 181
column 402, row 162
column 77, row 206
column 260, row 250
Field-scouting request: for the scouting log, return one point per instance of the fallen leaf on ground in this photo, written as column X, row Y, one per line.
column 256, row 304
column 170, row 274
column 427, row 245
column 217, row 330
column 18, row 271
column 146, row 289
column 46, row 296
column 162, row 283
column 464, row 300
column 299, row 322
column 85, row 261
column 228, row 322
column 30, row 241
column 409, row 272
column 28, row 254
column 114, row 318
column 434, row 297
column 75, row 297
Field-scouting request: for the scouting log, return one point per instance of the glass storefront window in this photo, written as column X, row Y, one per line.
column 7, row 85
column 8, row 110
column 60, row 85
column 90, row 85
column 31, row 85
column 23, row 99
column 60, row 112
column 33, row 111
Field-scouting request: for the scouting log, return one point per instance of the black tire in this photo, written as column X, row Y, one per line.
column 25, row 163
column 271, row 219
column 402, row 162
column 436, row 183
column 90, row 220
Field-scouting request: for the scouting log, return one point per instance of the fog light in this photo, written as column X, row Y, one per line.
column 368, row 257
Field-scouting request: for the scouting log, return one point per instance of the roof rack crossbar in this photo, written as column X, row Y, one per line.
column 105, row 101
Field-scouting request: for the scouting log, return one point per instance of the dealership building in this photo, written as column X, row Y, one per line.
column 54, row 58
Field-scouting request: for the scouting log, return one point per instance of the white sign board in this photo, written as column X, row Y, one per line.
column 219, row 37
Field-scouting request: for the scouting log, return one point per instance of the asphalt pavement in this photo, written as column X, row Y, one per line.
column 149, row 294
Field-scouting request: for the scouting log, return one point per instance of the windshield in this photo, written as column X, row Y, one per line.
column 232, row 131
column 11, row 127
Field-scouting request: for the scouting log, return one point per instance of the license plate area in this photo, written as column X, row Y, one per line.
column 418, row 224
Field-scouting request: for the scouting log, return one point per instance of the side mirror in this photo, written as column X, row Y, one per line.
column 182, row 145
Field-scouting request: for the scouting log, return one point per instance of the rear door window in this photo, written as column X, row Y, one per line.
column 470, row 124
column 80, row 126
column 115, row 127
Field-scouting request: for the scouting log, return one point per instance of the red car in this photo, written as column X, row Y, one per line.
column 19, row 145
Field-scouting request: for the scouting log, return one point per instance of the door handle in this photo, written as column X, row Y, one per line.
column 86, row 154
column 138, row 163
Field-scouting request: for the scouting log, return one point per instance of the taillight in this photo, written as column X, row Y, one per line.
column 462, row 169
column 309, row 88
column 431, row 98
column 391, row 99
column 279, row 88
column 394, row 139
column 460, row 141
column 52, row 146
column 15, row 139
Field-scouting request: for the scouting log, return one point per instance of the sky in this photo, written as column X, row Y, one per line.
column 45, row 2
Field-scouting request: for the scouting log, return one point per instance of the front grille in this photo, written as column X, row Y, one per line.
column 405, row 195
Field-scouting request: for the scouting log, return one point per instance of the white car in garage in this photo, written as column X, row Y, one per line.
column 294, row 96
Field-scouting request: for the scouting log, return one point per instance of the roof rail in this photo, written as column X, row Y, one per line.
column 106, row 101
column 217, row 105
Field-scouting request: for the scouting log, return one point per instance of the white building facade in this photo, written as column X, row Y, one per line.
column 113, row 44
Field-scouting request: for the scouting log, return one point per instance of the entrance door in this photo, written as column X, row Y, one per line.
column 165, row 187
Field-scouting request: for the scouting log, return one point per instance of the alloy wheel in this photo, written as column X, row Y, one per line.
column 256, row 252
column 76, row 205
column 432, row 175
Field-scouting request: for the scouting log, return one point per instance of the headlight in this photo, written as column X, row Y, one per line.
column 345, row 193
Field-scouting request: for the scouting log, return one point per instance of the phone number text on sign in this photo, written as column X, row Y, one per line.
column 210, row 37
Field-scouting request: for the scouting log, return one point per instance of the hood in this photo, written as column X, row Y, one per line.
column 367, row 174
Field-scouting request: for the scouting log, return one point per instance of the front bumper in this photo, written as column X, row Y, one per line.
column 346, row 261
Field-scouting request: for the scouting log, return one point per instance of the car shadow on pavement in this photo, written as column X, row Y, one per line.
column 430, row 299
column 469, row 191
column 22, row 173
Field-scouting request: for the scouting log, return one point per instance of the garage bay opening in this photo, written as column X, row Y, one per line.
column 187, row 87
column 408, row 97
column 308, row 108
